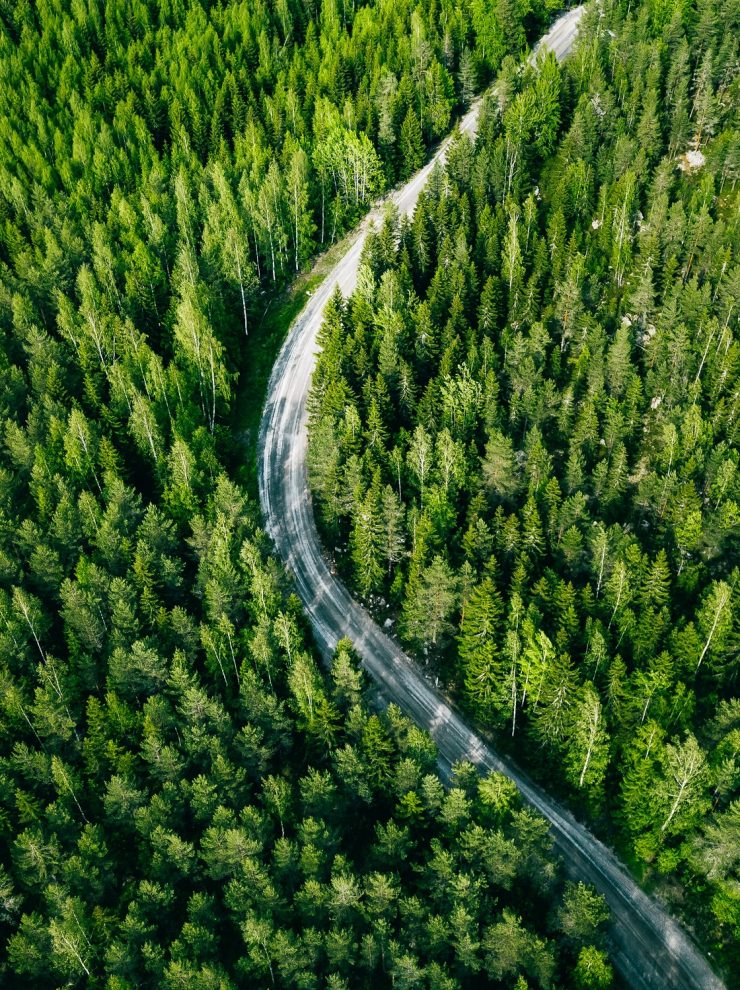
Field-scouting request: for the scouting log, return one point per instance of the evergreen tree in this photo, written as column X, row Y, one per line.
column 430, row 603
column 411, row 144
column 367, row 543
column 478, row 649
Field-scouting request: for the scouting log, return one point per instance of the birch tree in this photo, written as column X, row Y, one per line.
column 588, row 749
column 682, row 792
column 715, row 621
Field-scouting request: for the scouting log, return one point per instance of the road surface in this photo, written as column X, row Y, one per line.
column 649, row 949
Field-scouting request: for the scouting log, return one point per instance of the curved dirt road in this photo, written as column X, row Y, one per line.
column 649, row 949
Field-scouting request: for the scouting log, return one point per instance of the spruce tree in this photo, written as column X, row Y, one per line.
column 411, row 144
column 478, row 642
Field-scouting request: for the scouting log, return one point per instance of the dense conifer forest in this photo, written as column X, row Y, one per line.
column 524, row 431
column 531, row 410
column 186, row 801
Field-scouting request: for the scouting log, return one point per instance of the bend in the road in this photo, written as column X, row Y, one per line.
column 650, row 950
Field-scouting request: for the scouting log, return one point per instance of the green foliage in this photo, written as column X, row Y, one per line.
column 593, row 971
column 554, row 388
column 185, row 799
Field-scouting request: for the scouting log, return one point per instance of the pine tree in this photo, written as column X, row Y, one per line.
column 468, row 76
column 478, row 649
column 499, row 466
column 393, row 536
column 555, row 702
column 411, row 144
column 367, row 543
column 703, row 111
column 429, row 604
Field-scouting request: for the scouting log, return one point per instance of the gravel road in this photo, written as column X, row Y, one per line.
column 650, row 950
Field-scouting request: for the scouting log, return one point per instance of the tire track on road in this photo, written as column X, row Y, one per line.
column 650, row 950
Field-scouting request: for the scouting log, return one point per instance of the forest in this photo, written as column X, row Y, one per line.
column 523, row 438
column 186, row 799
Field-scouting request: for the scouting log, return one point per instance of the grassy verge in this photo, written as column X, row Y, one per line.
column 267, row 332
column 265, row 339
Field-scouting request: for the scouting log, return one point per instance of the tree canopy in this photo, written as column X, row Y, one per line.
column 186, row 800
column 535, row 390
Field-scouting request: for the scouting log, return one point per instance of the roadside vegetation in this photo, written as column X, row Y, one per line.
column 185, row 800
column 524, row 437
